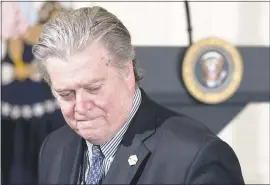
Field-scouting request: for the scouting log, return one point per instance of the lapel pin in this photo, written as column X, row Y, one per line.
column 132, row 160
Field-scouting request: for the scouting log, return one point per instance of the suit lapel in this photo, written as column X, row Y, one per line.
column 141, row 127
column 71, row 160
column 120, row 171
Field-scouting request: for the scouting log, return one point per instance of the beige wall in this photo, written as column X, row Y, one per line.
column 161, row 23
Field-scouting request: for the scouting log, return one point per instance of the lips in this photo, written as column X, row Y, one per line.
column 90, row 124
column 85, row 118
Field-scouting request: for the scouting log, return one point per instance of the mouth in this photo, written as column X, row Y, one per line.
column 84, row 118
column 91, row 123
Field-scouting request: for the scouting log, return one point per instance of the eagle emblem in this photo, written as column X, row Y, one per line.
column 212, row 64
column 212, row 70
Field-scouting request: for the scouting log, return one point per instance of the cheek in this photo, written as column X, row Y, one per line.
column 67, row 109
column 115, row 101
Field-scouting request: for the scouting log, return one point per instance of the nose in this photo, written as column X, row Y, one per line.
column 83, row 104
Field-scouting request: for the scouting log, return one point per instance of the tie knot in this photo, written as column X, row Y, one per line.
column 96, row 152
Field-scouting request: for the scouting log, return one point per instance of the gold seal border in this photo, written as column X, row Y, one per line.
column 190, row 82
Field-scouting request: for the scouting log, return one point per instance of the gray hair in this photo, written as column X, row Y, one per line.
column 72, row 31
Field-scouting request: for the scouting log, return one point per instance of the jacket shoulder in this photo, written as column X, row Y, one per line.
column 56, row 141
column 59, row 138
column 182, row 128
column 53, row 144
column 188, row 129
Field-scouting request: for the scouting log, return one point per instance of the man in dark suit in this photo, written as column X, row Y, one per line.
column 115, row 134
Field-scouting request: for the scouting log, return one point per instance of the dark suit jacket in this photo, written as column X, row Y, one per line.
column 171, row 149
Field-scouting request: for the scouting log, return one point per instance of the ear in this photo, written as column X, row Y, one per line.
column 130, row 78
column 129, row 70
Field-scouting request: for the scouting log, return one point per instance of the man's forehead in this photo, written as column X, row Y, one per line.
column 86, row 56
column 82, row 69
column 95, row 50
column 86, row 83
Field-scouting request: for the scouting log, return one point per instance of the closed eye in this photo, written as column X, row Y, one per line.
column 66, row 94
column 94, row 90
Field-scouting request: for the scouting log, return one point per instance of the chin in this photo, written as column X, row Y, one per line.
column 96, row 141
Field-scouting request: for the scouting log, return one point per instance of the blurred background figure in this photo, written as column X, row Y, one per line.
column 29, row 112
column 14, row 23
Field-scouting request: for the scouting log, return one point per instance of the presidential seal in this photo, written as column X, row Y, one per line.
column 212, row 70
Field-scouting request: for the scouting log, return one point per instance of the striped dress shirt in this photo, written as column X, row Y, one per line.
column 109, row 149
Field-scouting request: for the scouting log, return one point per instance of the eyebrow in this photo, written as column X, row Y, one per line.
column 94, row 81
column 86, row 84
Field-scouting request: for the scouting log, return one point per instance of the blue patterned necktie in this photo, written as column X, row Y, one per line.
column 95, row 172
